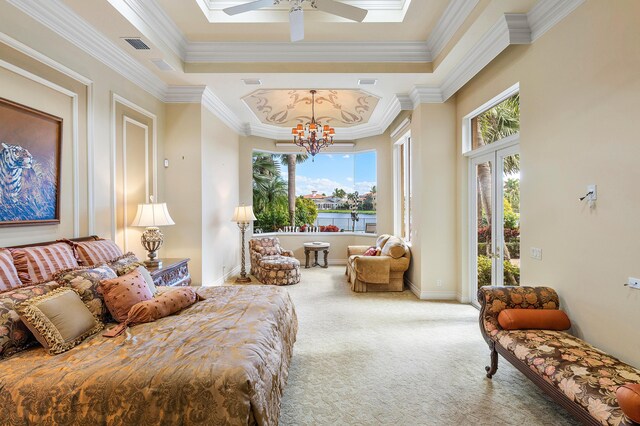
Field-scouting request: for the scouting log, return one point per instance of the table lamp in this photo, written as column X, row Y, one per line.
column 243, row 216
column 152, row 216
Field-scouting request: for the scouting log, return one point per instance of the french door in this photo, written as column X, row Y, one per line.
column 494, row 213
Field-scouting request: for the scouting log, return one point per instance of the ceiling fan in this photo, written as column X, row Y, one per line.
column 296, row 19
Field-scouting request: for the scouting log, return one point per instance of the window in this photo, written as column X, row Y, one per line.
column 332, row 193
column 403, row 194
column 496, row 123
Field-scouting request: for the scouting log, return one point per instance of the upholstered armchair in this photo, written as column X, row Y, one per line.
column 271, row 264
column 382, row 272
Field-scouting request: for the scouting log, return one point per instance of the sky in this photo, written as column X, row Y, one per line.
column 329, row 171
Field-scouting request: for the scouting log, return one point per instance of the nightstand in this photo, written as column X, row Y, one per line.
column 173, row 272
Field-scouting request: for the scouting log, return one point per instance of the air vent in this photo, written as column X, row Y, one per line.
column 252, row 81
column 137, row 43
column 367, row 81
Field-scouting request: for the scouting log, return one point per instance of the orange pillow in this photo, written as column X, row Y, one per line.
column 534, row 319
column 163, row 305
column 121, row 293
column 629, row 400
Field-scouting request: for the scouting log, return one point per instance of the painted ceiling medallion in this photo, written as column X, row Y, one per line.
column 288, row 108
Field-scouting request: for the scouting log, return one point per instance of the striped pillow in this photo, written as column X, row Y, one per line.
column 8, row 275
column 91, row 253
column 39, row 263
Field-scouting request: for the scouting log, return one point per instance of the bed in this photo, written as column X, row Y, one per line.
column 223, row 360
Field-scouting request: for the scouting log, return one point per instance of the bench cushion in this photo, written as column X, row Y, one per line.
column 583, row 373
column 279, row 263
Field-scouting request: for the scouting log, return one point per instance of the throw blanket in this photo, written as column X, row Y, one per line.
column 223, row 360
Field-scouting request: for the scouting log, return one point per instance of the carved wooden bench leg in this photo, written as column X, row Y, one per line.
column 491, row 370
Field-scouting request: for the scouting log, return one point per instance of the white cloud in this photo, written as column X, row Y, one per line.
column 305, row 185
column 364, row 187
column 350, row 179
column 346, row 156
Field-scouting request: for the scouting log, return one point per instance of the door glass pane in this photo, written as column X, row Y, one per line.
column 511, row 223
column 483, row 224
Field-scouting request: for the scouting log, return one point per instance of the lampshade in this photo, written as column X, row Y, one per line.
column 243, row 214
column 152, row 215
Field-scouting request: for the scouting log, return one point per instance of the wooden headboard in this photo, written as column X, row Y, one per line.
column 80, row 239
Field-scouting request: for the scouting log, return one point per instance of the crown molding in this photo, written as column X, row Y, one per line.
column 547, row 13
column 510, row 29
column 157, row 25
column 204, row 96
column 60, row 19
column 455, row 14
column 216, row 52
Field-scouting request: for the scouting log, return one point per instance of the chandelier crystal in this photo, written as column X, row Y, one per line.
column 313, row 136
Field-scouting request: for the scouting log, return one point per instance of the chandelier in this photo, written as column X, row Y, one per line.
column 313, row 136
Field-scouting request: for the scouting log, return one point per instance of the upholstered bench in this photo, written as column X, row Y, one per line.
column 578, row 376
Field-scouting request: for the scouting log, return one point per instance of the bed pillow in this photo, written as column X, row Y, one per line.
column 8, row 274
column 121, row 293
column 164, row 304
column 125, row 263
column 86, row 281
column 91, row 253
column 41, row 263
column 14, row 334
column 59, row 320
column 629, row 400
column 534, row 319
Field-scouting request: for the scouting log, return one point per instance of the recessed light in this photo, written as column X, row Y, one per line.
column 162, row 64
column 252, row 81
column 367, row 81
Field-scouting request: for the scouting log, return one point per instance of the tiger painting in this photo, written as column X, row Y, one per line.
column 13, row 160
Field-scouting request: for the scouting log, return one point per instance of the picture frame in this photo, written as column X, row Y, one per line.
column 30, row 165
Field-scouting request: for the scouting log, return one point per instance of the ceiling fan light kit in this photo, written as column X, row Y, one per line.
column 296, row 13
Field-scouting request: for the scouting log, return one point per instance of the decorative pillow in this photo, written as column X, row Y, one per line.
column 40, row 263
column 121, row 293
column 164, row 304
column 629, row 400
column 91, row 253
column 14, row 334
column 125, row 263
column 86, row 281
column 394, row 247
column 372, row 251
column 534, row 319
column 148, row 279
column 8, row 275
column 59, row 320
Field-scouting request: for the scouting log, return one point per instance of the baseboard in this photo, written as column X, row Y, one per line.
column 223, row 279
column 431, row 295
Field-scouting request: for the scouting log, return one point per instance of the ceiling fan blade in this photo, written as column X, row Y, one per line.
column 247, row 7
column 341, row 9
column 296, row 22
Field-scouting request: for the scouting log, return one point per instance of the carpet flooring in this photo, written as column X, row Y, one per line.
column 391, row 359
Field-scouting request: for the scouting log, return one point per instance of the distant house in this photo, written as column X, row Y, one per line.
column 323, row 202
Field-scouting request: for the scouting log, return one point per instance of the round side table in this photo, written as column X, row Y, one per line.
column 316, row 247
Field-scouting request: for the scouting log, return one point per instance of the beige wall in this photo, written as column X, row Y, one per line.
column 220, row 187
column 202, row 191
column 105, row 82
column 580, row 96
column 433, row 273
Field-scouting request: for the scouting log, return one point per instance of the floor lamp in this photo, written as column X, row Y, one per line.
column 243, row 216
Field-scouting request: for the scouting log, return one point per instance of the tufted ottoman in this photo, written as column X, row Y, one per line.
column 278, row 270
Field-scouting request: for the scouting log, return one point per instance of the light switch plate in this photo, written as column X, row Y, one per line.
column 633, row 283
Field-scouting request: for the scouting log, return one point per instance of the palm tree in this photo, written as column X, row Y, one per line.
column 339, row 193
column 266, row 180
column 292, row 160
column 497, row 123
column 274, row 192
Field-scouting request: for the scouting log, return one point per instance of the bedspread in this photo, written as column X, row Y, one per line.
column 224, row 360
